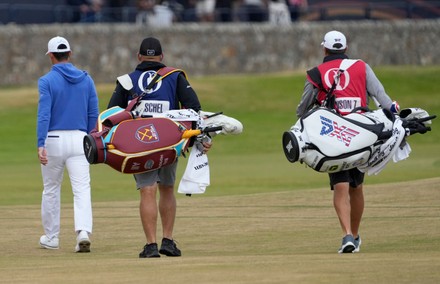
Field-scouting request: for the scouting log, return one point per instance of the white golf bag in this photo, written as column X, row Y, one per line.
column 328, row 142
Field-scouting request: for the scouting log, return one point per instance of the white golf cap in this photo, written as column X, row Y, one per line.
column 334, row 40
column 58, row 44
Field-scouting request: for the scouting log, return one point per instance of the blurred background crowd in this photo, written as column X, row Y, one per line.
column 162, row 13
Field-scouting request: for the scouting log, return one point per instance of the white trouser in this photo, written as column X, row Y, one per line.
column 65, row 149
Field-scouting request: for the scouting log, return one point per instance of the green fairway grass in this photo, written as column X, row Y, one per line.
column 252, row 162
column 262, row 219
column 273, row 237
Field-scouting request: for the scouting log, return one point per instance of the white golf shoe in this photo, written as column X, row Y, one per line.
column 82, row 242
column 53, row 243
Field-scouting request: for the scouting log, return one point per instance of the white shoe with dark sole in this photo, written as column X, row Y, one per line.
column 82, row 242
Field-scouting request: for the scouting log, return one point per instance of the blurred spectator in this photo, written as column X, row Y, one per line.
column 297, row 7
column 93, row 12
column 86, row 11
column 176, row 7
column 144, row 9
column 116, row 7
column 253, row 11
column 205, row 10
column 154, row 15
column 279, row 13
column 78, row 8
column 189, row 10
column 223, row 10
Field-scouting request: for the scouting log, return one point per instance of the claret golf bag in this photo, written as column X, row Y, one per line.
column 328, row 142
column 135, row 145
column 132, row 144
column 138, row 145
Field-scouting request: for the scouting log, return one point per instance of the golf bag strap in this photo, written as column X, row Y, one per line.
column 329, row 101
column 160, row 74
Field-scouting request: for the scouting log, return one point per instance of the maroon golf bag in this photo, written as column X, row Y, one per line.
column 139, row 145
column 131, row 144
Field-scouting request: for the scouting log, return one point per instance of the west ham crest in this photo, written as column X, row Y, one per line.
column 147, row 134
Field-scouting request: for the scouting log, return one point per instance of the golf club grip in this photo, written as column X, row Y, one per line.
column 214, row 114
column 423, row 119
column 212, row 129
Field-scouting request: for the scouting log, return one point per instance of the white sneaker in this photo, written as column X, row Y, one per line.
column 82, row 242
column 47, row 243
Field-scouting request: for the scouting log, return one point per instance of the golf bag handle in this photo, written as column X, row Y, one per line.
column 194, row 132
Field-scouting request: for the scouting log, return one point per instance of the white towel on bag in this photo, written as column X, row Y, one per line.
column 196, row 176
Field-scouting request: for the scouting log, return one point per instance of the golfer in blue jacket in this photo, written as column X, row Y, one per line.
column 67, row 111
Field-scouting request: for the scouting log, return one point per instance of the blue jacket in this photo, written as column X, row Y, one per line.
column 68, row 101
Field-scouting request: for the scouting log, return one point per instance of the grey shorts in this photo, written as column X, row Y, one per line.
column 165, row 176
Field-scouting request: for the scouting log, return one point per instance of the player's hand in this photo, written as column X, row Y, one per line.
column 42, row 155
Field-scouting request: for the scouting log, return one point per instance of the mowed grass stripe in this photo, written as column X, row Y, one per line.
column 256, row 238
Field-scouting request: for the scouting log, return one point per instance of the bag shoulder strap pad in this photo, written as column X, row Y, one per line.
column 165, row 71
column 125, row 82
column 160, row 74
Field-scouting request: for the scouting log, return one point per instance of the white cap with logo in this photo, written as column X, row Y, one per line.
column 58, row 44
column 334, row 40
